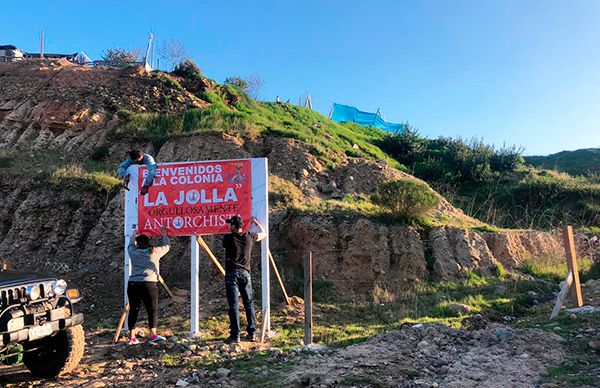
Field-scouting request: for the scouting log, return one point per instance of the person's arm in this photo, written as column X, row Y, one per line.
column 122, row 170
column 131, row 246
column 163, row 249
column 261, row 232
column 149, row 161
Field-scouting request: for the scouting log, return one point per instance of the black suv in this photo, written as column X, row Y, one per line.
column 39, row 323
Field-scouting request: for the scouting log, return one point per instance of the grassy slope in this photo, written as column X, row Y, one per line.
column 526, row 198
column 578, row 162
column 329, row 142
column 328, row 139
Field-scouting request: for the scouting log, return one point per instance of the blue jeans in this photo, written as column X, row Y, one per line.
column 239, row 281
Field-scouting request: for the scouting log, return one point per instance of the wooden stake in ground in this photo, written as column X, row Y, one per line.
column 571, row 254
column 285, row 294
column 121, row 323
column 308, row 316
column 564, row 288
column 210, row 254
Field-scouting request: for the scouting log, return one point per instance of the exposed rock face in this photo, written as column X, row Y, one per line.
column 203, row 147
column 456, row 251
column 46, row 105
column 358, row 254
column 513, row 248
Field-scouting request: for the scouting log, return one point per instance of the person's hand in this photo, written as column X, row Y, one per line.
column 254, row 220
column 144, row 190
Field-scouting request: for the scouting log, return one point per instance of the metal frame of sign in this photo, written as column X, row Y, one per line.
column 260, row 209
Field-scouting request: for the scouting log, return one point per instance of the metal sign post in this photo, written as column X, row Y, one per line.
column 195, row 285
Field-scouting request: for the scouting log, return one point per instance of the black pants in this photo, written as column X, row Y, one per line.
column 239, row 281
column 139, row 292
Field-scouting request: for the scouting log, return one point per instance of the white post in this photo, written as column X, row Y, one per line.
column 266, row 284
column 126, row 274
column 262, row 213
column 194, row 286
column 129, row 226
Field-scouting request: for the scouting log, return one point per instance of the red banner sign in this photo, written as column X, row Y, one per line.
column 195, row 197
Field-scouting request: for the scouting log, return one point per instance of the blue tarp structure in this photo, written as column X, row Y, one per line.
column 343, row 113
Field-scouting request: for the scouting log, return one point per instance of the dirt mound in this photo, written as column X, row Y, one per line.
column 433, row 355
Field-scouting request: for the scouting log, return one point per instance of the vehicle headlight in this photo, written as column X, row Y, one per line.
column 33, row 292
column 60, row 287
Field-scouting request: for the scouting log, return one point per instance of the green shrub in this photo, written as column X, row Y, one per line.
column 97, row 181
column 407, row 199
column 99, row 153
column 170, row 82
column 405, row 145
column 237, row 82
column 189, row 70
column 499, row 270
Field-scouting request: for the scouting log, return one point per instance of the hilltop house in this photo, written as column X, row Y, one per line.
column 9, row 53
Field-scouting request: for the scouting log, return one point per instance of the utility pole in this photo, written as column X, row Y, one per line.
column 148, row 67
column 42, row 45
column 152, row 55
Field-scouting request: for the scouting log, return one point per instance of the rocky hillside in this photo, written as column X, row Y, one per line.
column 64, row 129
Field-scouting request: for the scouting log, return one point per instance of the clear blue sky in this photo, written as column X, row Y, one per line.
column 520, row 72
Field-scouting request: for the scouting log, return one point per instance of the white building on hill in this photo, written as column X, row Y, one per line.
column 9, row 53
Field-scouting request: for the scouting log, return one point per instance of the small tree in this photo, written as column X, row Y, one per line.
column 408, row 199
column 120, row 55
column 173, row 53
column 237, row 82
column 189, row 70
column 255, row 84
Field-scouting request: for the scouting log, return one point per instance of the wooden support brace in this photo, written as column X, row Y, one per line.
column 121, row 323
column 263, row 329
column 167, row 289
column 285, row 294
column 560, row 299
column 569, row 243
column 210, row 255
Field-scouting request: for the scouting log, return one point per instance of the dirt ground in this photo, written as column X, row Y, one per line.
column 485, row 354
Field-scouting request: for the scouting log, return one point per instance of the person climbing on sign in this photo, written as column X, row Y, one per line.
column 238, row 249
column 138, row 157
column 143, row 282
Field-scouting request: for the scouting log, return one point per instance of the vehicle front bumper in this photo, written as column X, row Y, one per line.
column 22, row 335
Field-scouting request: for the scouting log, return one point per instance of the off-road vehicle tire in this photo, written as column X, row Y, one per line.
column 56, row 355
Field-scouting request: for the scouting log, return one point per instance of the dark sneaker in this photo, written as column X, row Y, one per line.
column 232, row 340
column 251, row 338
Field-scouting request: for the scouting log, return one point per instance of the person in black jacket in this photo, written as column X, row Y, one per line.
column 238, row 249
